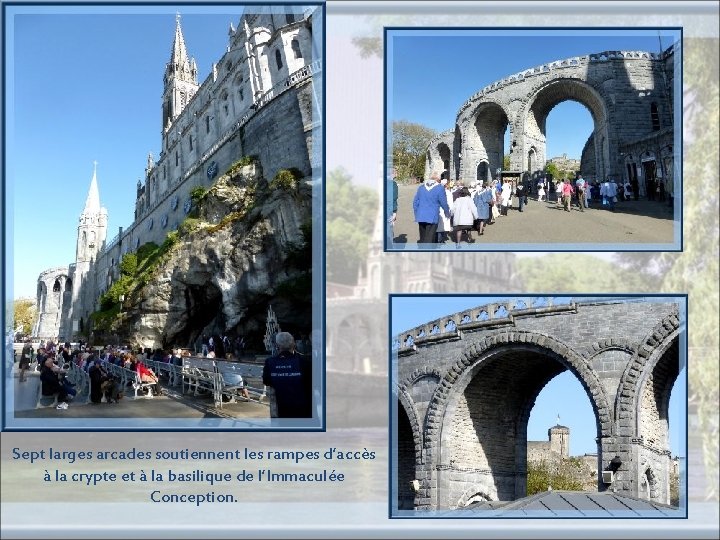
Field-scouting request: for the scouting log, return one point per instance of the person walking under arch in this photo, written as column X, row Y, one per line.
column 464, row 215
column 429, row 199
column 566, row 191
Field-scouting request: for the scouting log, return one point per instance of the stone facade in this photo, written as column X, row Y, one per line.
column 260, row 100
column 628, row 93
column 468, row 420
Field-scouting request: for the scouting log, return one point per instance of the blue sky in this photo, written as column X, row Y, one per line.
column 85, row 84
column 563, row 395
column 435, row 72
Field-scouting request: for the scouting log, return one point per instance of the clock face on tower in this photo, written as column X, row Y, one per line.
column 187, row 206
column 174, row 202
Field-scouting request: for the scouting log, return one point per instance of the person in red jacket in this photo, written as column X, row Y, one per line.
column 147, row 375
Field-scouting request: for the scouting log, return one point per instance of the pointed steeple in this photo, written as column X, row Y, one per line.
column 180, row 81
column 180, row 65
column 179, row 52
column 92, row 203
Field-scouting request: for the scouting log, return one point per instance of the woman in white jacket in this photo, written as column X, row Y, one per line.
column 505, row 197
column 444, row 226
column 464, row 214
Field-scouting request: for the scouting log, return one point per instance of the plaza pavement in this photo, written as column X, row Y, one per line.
column 644, row 222
column 172, row 404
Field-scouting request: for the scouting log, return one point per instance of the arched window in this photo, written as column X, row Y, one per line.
column 295, row 44
column 289, row 18
column 190, row 142
column 177, row 159
column 56, row 287
column 655, row 116
column 207, row 124
column 278, row 59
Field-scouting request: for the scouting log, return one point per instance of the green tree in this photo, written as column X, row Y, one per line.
column 24, row 314
column 506, row 162
column 129, row 264
column 540, row 475
column 552, row 170
column 563, row 272
column 409, row 144
column 351, row 212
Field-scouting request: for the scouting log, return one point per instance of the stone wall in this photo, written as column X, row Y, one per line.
column 494, row 360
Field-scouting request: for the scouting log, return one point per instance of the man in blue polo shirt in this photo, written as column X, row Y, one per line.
column 290, row 375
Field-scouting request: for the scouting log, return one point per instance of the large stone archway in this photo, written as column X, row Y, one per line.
column 624, row 91
column 471, row 379
column 642, row 412
column 532, row 119
column 476, row 440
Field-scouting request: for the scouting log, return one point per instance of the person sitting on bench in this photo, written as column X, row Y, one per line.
column 51, row 385
column 147, row 375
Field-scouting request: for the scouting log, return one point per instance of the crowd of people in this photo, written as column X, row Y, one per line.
column 447, row 210
column 289, row 372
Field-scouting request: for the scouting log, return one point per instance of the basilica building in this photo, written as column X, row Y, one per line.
column 262, row 99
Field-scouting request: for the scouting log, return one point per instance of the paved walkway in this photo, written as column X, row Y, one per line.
column 172, row 404
column 645, row 222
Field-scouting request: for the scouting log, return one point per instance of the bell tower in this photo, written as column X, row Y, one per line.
column 92, row 227
column 180, row 81
column 92, row 230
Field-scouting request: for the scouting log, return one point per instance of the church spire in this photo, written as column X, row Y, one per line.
column 180, row 64
column 179, row 52
column 180, row 79
column 92, row 203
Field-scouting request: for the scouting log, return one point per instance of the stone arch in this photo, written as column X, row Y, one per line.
column 405, row 401
column 42, row 297
column 434, row 161
column 544, row 97
column 647, row 354
column 532, row 160
column 499, row 470
column 483, row 170
column 408, row 455
column 472, row 495
column 484, row 137
column 620, row 344
column 443, row 151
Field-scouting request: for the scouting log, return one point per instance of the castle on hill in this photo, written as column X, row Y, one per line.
column 260, row 99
